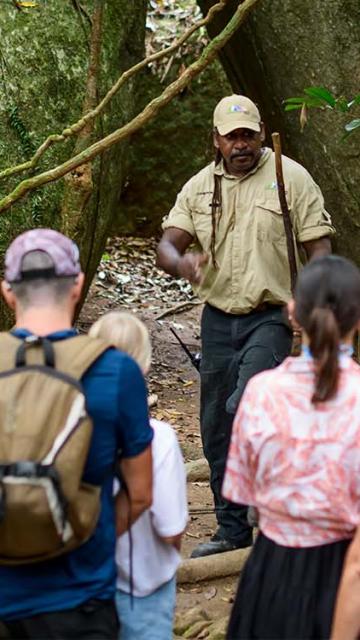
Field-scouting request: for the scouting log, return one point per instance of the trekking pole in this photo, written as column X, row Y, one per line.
column 194, row 358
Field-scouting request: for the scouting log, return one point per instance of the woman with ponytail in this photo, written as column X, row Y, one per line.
column 295, row 456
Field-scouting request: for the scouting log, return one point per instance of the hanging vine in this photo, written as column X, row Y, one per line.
column 16, row 123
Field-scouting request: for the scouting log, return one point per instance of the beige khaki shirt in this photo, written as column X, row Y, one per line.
column 250, row 246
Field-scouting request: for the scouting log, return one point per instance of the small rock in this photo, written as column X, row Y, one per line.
column 152, row 400
column 210, row 593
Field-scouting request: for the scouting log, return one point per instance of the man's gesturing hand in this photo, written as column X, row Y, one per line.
column 172, row 256
column 189, row 266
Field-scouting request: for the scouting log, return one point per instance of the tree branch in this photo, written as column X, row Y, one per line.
column 151, row 109
column 91, row 115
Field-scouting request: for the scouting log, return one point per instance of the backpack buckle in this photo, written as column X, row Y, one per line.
column 32, row 340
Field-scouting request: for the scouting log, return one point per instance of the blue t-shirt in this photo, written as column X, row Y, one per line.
column 116, row 400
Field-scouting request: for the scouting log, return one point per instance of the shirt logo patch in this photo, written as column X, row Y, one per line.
column 272, row 186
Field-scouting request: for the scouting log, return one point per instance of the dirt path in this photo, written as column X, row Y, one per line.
column 127, row 279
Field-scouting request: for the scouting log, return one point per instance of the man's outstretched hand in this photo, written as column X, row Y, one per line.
column 172, row 256
column 189, row 266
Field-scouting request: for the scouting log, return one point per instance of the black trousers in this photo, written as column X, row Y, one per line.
column 234, row 348
column 93, row 620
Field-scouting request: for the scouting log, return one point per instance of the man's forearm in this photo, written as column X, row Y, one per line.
column 168, row 257
column 127, row 511
column 318, row 248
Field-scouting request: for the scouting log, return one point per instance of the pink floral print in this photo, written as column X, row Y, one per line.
column 299, row 464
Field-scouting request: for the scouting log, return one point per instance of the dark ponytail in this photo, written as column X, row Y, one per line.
column 327, row 307
column 324, row 335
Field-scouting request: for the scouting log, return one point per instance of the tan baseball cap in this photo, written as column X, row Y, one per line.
column 236, row 112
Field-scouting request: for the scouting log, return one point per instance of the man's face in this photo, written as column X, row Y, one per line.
column 241, row 149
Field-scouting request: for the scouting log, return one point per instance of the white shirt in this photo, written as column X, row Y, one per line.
column 154, row 561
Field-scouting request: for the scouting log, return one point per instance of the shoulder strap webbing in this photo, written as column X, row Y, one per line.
column 75, row 355
column 216, row 208
column 72, row 356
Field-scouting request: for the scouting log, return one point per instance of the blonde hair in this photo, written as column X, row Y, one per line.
column 125, row 332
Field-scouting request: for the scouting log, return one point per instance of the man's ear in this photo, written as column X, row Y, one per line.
column 262, row 132
column 8, row 294
column 215, row 138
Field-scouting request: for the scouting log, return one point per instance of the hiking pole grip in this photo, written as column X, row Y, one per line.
column 285, row 210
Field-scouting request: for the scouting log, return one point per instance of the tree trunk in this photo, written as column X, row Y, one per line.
column 283, row 47
column 79, row 184
column 43, row 89
column 126, row 22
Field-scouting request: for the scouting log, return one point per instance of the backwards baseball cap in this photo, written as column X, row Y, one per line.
column 63, row 252
column 236, row 112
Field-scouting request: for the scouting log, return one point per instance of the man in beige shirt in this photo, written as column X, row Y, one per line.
column 239, row 267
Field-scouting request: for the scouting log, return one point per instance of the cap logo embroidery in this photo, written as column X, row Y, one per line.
column 236, row 108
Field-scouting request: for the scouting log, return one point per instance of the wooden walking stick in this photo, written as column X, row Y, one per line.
column 285, row 211
column 290, row 244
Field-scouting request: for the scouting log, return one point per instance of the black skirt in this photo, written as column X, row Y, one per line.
column 287, row 592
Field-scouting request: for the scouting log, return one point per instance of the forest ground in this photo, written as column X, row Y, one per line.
column 128, row 280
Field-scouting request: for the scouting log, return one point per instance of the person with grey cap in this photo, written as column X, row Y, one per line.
column 239, row 268
column 73, row 595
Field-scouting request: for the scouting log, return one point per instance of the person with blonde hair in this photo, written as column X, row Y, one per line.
column 125, row 332
column 156, row 535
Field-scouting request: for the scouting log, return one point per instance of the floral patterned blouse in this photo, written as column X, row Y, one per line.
column 297, row 463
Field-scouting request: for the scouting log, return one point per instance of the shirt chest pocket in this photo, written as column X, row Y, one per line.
column 202, row 218
column 269, row 222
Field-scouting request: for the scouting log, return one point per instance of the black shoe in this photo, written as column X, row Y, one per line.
column 218, row 545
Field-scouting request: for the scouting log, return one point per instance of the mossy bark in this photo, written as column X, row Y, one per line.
column 283, row 47
column 44, row 62
column 78, row 185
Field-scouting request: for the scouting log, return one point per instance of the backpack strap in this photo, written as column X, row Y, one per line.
column 72, row 356
column 9, row 345
column 75, row 355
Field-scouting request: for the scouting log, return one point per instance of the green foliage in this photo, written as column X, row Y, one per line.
column 322, row 98
column 17, row 125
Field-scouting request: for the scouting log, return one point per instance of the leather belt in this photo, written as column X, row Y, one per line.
column 265, row 306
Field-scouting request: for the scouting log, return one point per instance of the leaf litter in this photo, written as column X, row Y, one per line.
column 127, row 275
